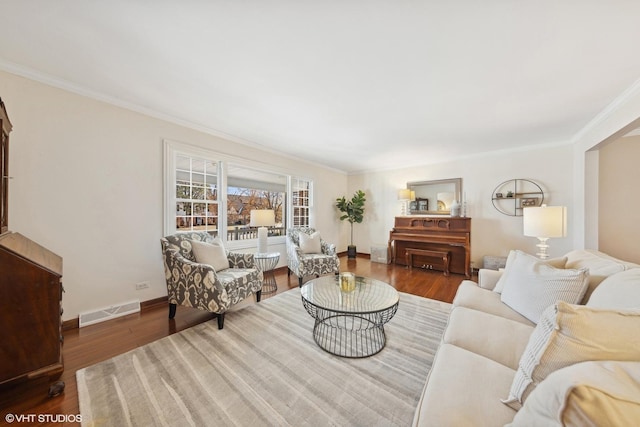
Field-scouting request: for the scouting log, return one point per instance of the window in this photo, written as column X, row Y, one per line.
column 196, row 191
column 249, row 189
column 300, row 201
column 207, row 191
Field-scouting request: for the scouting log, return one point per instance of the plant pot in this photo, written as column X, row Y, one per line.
column 351, row 251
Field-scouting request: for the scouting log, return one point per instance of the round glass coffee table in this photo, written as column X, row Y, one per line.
column 350, row 323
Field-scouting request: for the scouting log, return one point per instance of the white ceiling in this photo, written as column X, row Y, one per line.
column 352, row 84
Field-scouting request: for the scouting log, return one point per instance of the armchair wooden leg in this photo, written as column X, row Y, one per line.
column 172, row 310
column 258, row 295
column 220, row 320
column 299, row 282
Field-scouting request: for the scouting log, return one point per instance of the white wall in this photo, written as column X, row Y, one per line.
column 569, row 174
column 493, row 233
column 619, row 118
column 88, row 185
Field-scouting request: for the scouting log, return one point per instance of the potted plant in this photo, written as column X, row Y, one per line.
column 353, row 211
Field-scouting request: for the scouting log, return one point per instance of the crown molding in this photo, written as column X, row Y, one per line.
column 631, row 92
column 635, row 132
column 65, row 85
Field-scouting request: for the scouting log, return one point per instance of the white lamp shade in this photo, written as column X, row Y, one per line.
column 262, row 218
column 404, row 194
column 545, row 221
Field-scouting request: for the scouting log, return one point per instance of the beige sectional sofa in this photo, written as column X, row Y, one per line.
column 482, row 347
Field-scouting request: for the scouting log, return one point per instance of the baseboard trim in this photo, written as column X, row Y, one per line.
column 144, row 306
column 154, row 303
column 358, row 255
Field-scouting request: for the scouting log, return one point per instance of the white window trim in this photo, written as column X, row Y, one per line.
column 173, row 148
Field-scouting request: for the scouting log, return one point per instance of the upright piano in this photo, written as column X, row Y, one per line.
column 441, row 234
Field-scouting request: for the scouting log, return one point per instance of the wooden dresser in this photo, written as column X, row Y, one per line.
column 433, row 235
column 5, row 126
column 30, row 313
column 30, row 300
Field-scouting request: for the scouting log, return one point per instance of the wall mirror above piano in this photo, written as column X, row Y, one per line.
column 434, row 197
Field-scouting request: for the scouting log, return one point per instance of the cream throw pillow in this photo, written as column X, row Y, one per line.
column 600, row 266
column 596, row 393
column 568, row 334
column 620, row 291
column 531, row 285
column 310, row 244
column 553, row 262
column 212, row 254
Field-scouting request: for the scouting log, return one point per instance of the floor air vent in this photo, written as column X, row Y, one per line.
column 102, row 314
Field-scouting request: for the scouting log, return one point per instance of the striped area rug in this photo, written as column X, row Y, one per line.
column 264, row 369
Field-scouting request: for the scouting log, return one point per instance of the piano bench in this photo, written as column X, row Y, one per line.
column 444, row 255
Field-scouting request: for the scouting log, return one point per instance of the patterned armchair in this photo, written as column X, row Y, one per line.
column 303, row 264
column 200, row 286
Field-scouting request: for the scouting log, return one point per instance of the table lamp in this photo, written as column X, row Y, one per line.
column 545, row 222
column 404, row 196
column 262, row 218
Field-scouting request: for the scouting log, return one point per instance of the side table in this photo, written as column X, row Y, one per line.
column 266, row 262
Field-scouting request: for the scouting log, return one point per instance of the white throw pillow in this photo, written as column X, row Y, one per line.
column 619, row 291
column 531, row 285
column 553, row 262
column 600, row 266
column 212, row 254
column 568, row 334
column 595, row 393
column 310, row 244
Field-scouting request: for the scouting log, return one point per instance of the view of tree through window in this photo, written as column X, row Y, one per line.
column 197, row 200
column 249, row 189
column 301, row 201
column 196, row 194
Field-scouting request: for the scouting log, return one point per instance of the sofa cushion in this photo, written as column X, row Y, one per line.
column 494, row 337
column 600, row 266
column 568, row 334
column 589, row 393
column 619, row 291
column 471, row 296
column 488, row 279
column 212, row 254
column 230, row 275
column 532, row 285
column 310, row 243
column 513, row 255
column 462, row 390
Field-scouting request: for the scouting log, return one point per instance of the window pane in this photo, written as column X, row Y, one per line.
column 183, row 163
column 197, row 165
column 211, row 185
column 197, row 192
column 250, row 189
column 212, row 215
column 195, row 182
column 181, row 216
column 183, row 192
column 300, row 197
column 197, row 205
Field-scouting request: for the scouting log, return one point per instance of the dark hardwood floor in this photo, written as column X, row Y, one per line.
column 95, row 343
